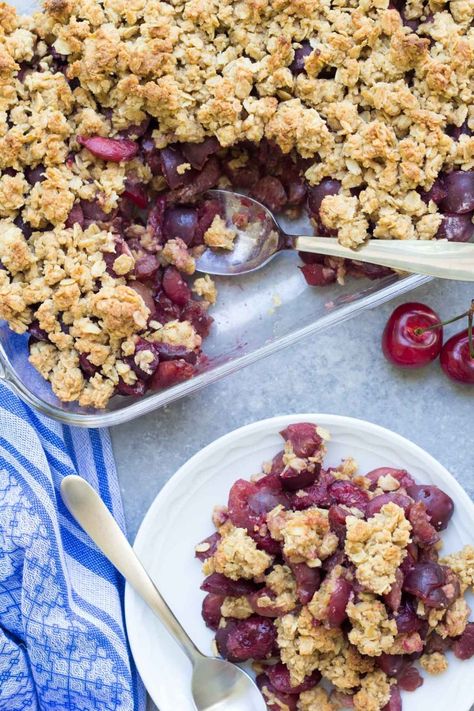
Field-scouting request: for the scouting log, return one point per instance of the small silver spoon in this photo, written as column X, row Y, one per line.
column 259, row 238
column 217, row 685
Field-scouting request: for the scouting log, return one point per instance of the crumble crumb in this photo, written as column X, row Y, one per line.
column 407, row 643
column 202, row 547
column 318, row 606
column 120, row 309
column 372, row 631
column 237, row 556
column 342, row 213
column 345, row 668
column 291, row 461
column 306, row 535
column 455, row 620
column 346, row 470
column 282, row 583
column 218, row 235
column 313, row 699
column 237, row 607
column 176, row 252
column 374, row 692
column 178, row 333
column 388, row 483
column 462, row 563
column 377, row 546
column 432, row 615
column 143, row 359
column 123, row 264
column 435, row 663
column 206, row 288
column 15, row 253
column 302, row 644
column 181, row 169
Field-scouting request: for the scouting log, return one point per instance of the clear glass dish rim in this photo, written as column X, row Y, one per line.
column 160, row 399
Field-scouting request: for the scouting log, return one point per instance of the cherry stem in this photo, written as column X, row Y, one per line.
column 420, row 331
column 469, row 329
column 470, row 318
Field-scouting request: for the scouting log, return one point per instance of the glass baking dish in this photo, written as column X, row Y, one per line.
column 255, row 316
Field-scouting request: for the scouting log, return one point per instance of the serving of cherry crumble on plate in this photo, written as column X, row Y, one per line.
column 118, row 116
column 329, row 574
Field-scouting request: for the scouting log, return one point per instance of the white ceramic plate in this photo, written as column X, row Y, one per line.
column 180, row 517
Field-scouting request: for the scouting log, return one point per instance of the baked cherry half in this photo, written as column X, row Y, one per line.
column 406, row 342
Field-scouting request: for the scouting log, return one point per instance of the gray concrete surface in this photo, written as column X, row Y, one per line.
column 341, row 371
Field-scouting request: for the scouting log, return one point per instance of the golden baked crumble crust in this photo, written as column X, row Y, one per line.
column 377, row 546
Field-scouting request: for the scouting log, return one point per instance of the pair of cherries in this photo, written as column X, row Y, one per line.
column 413, row 337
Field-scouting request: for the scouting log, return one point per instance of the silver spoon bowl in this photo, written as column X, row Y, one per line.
column 217, row 685
column 259, row 238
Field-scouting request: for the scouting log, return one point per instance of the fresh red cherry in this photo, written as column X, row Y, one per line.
column 404, row 341
column 456, row 360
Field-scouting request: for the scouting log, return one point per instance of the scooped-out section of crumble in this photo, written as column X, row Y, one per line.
column 328, row 575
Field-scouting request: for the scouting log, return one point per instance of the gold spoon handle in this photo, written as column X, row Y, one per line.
column 438, row 258
column 86, row 506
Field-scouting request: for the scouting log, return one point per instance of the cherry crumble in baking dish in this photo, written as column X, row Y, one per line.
column 117, row 116
column 319, row 573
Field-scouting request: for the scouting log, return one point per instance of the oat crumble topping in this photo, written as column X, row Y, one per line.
column 345, row 669
column 318, row 605
column 374, row 692
column 315, row 699
column 305, row 534
column 237, row 556
column 407, row 643
column 432, row 616
column 455, row 620
column 435, row 663
column 205, row 287
column 462, row 563
column 388, row 483
column 372, row 631
column 219, row 235
column 282, row 584
column 236, row 607
column 175, row 252
column 377, row 547
column 346, row 470
column 304, row 646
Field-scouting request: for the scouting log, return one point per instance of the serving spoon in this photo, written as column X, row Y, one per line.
column 260, row 238
column 217, row 685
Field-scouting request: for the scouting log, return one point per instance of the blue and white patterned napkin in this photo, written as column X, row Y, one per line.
column 62, row 640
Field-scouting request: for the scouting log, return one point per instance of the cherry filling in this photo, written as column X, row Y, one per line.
column 276, row 700
column 240, row 640
column 433, row 584
column 211, row 610
column 279, row 677
column 308, row 580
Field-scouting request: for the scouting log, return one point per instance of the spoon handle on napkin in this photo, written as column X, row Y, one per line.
column 92, row 514
column 438, row 258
